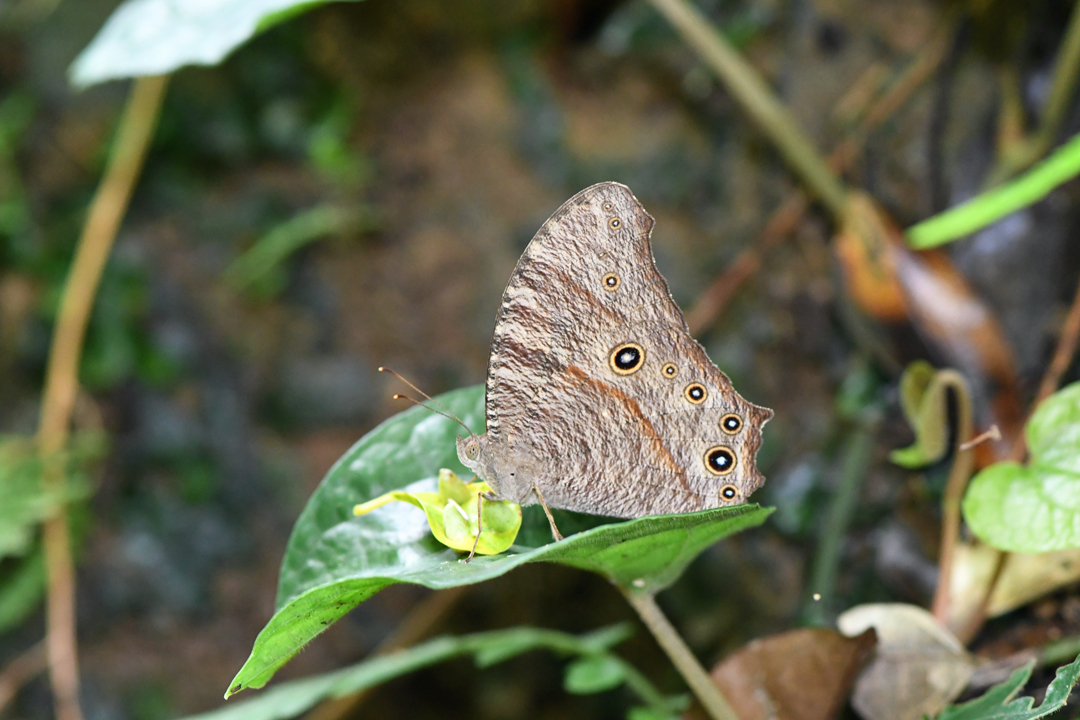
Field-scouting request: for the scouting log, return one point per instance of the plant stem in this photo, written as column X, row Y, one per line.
column 714, row 702
column 756, row 99
column 62, row 373
column 638, row 684
column 1062, row 89
column 20, row 671
column 710, row 305
column 827, row 559
column 959, row 474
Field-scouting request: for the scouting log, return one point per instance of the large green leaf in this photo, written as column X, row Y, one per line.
column 489, row 648
column 1000, row 703
column 155, row 37
column 1034, row 508
column 335, row 561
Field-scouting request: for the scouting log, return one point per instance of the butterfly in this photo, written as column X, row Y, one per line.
column 598, row 400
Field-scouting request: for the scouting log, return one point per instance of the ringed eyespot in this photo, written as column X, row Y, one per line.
column 614, row 223
column 695, row 393
column 627, row 358
column 731, row 423
column 729, row 492
column 669, row 370
column 611, row 282
column 608, row 206
column 719, row 460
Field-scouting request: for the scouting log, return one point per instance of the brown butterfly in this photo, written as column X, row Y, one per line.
column 598, row 400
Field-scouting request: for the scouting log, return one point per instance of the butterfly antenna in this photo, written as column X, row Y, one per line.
column 445, row 410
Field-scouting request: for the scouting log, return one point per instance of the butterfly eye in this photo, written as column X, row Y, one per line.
column 729, row 492
column 608, row 206
column 472, row 449
column 695, row 393
column 614, row 223
column 627, row 358
column 611, row 282
column 731, row 423
column 669, row 370
column 720, row 460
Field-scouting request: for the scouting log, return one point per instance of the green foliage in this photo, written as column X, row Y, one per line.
column 155, row 37
column 593, row 674
column 24, row 501
column 260, row 268
column 21, row 589
column 999, row 703
column 1034, row 508
column 335, row 561
column 924, row 400
column 452, row 514
column 292, row 698
column 992, row 205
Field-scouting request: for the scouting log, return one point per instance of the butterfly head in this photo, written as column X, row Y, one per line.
column 473, row 453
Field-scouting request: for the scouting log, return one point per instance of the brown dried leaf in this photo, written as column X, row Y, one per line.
column 864, row 249
column 892, row 282
column 799, row 675
column 918, row 667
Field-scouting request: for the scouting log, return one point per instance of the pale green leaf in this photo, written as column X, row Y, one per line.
column 1034, row 507
column 155, row 37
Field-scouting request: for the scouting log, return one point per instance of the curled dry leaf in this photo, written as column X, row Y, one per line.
column 891, row 282
column 799, row 675
column 918, row 666
column 1024, row 577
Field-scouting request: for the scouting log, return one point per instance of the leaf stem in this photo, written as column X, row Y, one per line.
column 749, row 89
column 20, row 671
column 959, row 475
column 714, row 702
column 638, row 684
column 62, row 373
column 827, row 559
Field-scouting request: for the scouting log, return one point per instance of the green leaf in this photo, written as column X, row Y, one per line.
column 924, row 400
column 998, row 702
column 155, row 37
column 22, row 589
column 335, row 561
column 648, row 713
column 24, row 502
column 1034, row 508
column 992, row 205
column 593, row 674
column 292, row 698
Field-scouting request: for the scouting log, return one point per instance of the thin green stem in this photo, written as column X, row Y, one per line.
column 857, row 453
column 757, row 100
column 640, row 686
column 714, row 702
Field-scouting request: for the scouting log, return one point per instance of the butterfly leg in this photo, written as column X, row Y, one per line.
column 547, row 511
column 479, row 527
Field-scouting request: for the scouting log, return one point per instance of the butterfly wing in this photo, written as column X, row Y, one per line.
column 596, row 391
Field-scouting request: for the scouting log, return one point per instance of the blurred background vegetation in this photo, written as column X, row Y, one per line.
column 352, row 189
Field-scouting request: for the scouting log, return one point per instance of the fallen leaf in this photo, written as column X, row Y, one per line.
column 1024, row 577
column 918, row 666
column 799, row 675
